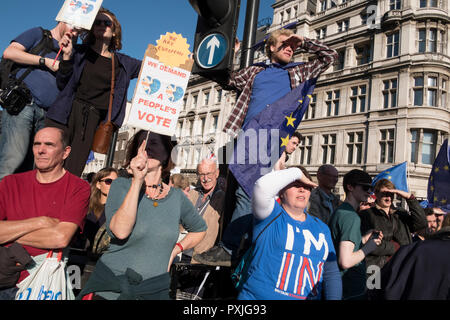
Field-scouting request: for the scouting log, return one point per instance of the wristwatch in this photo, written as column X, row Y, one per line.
column 42, row 62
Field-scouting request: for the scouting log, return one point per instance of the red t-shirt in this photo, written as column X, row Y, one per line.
column 22, row 197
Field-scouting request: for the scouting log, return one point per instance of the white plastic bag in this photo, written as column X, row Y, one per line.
column 48, row 282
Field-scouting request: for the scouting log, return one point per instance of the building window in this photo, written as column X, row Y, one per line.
column 311, row 110
column 444, row 83
column 305, row 148
column 430, row 90
column 206, row 98
column 418, row 91
column 321, row 33
column 423, row 145
column 332, row 102
column 390, row 93
column 215, row 119
column 328, row 148
column 363, row 53
column 358, row 98
column 354, row 147
column 343, row 25
column 431, row 40
column 395, row 4
column 339, row 63
column 387, row 146
column 194, row 101
column 429, row 3
column 323, row 5
column 183, row 107
column 392, row 44
column 219, row 93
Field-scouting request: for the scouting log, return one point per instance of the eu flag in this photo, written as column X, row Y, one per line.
column 263, row 139
column 396, row 174
column 439, row 180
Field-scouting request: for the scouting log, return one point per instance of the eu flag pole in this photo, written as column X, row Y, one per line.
column 396, row 174
column 439, row 180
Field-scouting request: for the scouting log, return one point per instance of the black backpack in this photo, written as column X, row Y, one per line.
column 14, row 94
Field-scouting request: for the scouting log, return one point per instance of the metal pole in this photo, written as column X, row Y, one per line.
column 112, row 149
column 251, row 23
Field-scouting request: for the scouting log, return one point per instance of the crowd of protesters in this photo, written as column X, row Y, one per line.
column 128, row 230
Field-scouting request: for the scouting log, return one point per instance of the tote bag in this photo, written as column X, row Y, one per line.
column 48, row 282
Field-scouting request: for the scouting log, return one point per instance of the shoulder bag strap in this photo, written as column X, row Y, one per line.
column 113, row 81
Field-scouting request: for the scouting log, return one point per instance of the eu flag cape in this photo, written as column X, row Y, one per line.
column 261, row 142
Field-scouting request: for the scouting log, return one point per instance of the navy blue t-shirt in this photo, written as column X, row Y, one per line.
column 41, row 82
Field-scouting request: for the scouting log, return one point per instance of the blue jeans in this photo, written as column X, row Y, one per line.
column 17, row 132
column 8, row 294
column 241, row 223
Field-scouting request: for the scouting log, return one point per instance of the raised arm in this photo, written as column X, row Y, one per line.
column 123, row 220
column 325, row 57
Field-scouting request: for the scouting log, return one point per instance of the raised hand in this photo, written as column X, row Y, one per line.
column 139, row 163
column 66, row 44
column 294, row 41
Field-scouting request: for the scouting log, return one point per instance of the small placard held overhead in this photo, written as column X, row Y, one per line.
column 162, row 82
column 79, row 13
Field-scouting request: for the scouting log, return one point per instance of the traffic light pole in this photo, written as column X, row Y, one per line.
column 251, row 22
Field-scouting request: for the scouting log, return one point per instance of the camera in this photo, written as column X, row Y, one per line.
column 15, row 97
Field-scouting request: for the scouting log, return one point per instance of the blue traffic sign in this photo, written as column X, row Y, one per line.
column 211, row 51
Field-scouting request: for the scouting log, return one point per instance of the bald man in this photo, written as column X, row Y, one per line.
column 323, row 201
column 42, row 209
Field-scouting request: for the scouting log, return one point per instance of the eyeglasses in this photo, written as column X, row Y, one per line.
column 107, row 181
column 209, row 175
column 107, row 23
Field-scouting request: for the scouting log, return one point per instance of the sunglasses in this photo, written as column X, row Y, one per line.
column 107, row 23
column 366, row 187
column 107, row 181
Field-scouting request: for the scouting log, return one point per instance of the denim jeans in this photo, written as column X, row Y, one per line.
column 8, row 294
column 17, row 132
column 241, row 223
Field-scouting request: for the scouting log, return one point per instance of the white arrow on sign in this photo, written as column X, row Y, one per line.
column 212, row 45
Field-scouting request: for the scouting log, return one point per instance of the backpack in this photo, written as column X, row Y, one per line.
column 14, row 94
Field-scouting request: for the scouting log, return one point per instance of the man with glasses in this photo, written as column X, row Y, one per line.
column 323, row 201
column 351, row 246
column 18, row 129
column 208, row 199
column 42, row 209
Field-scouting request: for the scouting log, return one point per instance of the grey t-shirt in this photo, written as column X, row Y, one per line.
column 147, row 250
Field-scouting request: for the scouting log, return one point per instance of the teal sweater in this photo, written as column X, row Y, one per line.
column 147, row 250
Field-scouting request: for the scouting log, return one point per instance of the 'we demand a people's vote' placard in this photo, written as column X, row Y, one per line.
column 163, row 79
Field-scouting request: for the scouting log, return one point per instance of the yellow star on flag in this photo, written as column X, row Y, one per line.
column 444, row 201
column 285, row 141
column 389, row 177
column 436, row 169
column 446, row 168
column 290, row 121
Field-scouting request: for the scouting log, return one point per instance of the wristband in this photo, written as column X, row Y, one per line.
column 42, row 61
column 369, row 247
column 180, row 246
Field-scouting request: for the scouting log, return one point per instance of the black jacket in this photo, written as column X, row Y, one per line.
column 396, row 228
column 419, row 271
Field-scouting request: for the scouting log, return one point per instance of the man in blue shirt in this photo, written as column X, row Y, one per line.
column 259, row 86
column 18, row 130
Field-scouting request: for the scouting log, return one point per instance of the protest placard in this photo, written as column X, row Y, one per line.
column 161, row 85
column 79, row 13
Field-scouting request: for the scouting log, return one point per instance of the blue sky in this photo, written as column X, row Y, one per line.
column 143, row 21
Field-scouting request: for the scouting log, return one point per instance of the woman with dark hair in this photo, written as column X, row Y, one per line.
column 85, row 78
column 293, row 255
column 143, row 215
column 100, row 185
